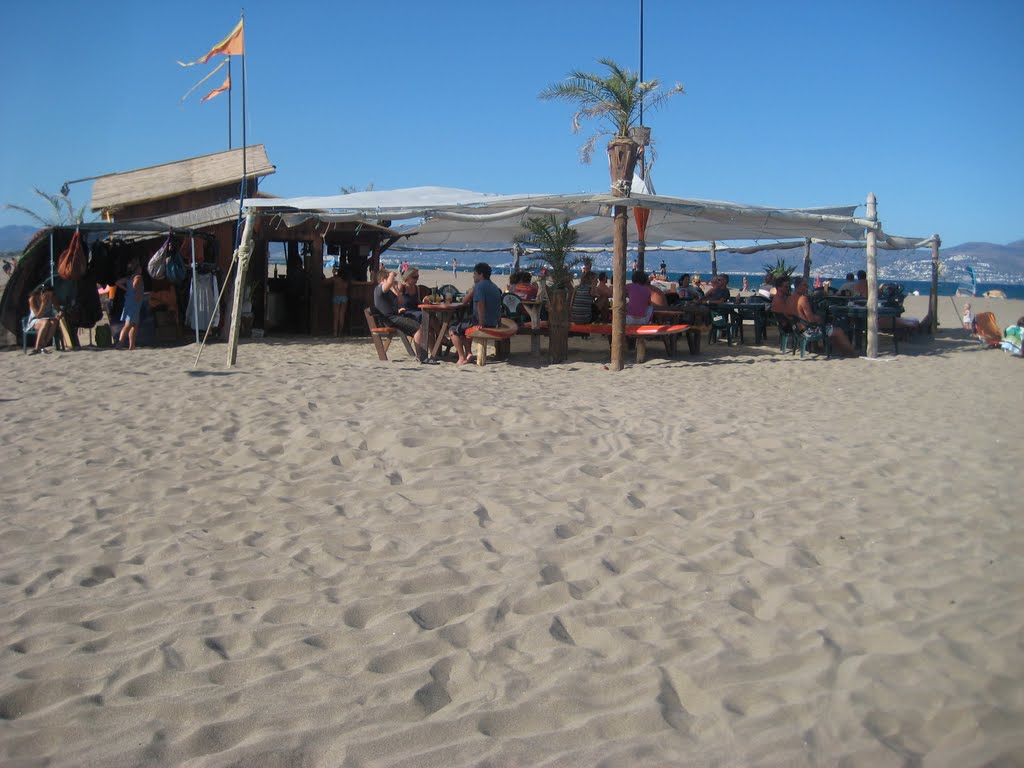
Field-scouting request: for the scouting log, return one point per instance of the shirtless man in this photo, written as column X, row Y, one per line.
column 800, row 306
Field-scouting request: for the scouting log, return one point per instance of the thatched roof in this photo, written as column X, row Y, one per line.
column 159, row 182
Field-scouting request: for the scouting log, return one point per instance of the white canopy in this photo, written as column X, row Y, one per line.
column 457, row 216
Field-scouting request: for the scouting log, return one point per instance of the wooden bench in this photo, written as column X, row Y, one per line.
column 667, row 333
column 501, row 336
column 383, row 334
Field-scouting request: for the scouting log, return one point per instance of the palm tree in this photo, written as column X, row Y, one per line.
column 62, row 210
column 616, row 100
column 554, row 239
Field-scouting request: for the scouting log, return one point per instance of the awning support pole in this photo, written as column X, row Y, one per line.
column 872, row 257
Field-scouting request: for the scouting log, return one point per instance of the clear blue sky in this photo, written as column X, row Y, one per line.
column 796, row 103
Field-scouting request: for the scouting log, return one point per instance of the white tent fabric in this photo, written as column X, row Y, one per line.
column 454, row 216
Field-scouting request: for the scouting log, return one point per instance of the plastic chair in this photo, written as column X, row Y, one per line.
column 787, row 333
column 723, row 322
column 26, row 331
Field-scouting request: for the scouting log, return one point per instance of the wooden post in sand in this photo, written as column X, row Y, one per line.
column 933, row 301
column 871, row 348
column 714, row 259
column 242, row 257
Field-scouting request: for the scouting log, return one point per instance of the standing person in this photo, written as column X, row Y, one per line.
column 43, row 317
column 968, row 319
column 664, row 269
column 485, row 298
column 385, row 301
column 339, row 297
column 134, row 295
column 455, row 266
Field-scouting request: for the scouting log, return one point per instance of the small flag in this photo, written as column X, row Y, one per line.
column 217, row 91
column 232, row 45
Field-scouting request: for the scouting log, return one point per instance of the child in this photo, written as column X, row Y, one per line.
column 339, row 297
column 968, row 319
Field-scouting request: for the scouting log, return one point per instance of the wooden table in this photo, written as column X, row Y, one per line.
column 444, row 313
column 753, row 310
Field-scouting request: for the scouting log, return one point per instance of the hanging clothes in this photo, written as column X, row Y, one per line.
column 202, row 301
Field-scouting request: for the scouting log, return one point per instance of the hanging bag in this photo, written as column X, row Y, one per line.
column 71, row 265
column 174, row 271
column 158, row 262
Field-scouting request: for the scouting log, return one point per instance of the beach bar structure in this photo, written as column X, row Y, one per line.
column 458, row 218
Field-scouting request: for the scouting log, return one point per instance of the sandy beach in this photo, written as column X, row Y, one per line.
column 319, row 559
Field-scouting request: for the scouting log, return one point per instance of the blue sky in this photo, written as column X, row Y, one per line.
column 789, row 104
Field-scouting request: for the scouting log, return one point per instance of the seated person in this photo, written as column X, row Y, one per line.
column 43, row 317
column 719, row 290
column 658, row 298
column 800, row 306
column 780, row 301
column 860, row 288
column 638, row 300
column 485, row 300
column 603, row 297
column 409, row 295
column 385, row 302
column 846, row 289
column 582, row 309
column 686, row 291
column 522, row 285
column 767, row 289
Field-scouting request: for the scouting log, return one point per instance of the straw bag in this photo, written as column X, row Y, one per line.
column 71, row 265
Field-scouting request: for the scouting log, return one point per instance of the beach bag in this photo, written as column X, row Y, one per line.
column 101, row 263
column 174, row 269
column 71, row 265
column 158, row 262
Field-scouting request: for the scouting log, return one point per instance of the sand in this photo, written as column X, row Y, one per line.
column 319, row 559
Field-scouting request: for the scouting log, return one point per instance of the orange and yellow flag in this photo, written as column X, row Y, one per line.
column 217, row 91
column 232, row 45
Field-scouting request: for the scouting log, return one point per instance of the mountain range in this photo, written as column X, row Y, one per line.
column 992, row 262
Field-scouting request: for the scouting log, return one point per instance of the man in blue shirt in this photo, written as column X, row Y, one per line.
column 485, row 300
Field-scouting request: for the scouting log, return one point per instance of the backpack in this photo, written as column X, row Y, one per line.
column 71, row 265
column 158, row 262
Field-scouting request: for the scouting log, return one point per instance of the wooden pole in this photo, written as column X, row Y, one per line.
column 714, row 259
column 871, row 350
column 619, row 288
column 933, row 303
column 807, row 258
column 242, row 257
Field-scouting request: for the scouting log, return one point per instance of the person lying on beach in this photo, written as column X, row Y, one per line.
column 485, row 300
column 385, row 301
column 43, row 316
column 800, row 306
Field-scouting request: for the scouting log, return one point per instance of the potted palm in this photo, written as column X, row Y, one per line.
column 616, row 100
column 553, row 238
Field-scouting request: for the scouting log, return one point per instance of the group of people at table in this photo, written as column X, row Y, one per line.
column 400, row 304
column 398, row 300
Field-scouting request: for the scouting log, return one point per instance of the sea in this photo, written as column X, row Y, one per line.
column 501, row 265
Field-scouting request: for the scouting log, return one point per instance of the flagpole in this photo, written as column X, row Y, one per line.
column 230, row 88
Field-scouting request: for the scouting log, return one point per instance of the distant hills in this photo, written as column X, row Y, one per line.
column 993, row 263
column 14, row 237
